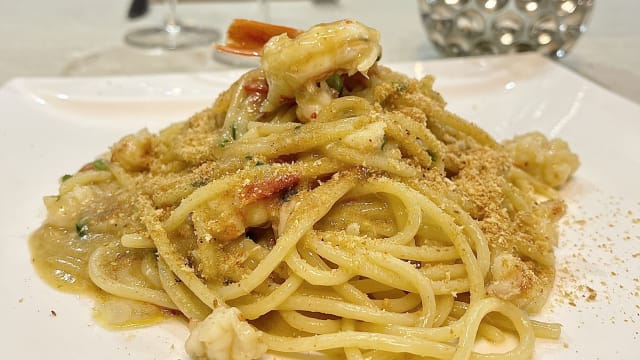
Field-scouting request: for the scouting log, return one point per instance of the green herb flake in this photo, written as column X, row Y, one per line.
column 384, row 141
column 65, row 177
column 248, row 157
column 199, row 183
column 286, row 196
column 82, row 229
column 298, row 127
column 259, row 163
column 335, row 82
column 432, row 155
column 400, row 86
column 234, row 130
column 100, row 165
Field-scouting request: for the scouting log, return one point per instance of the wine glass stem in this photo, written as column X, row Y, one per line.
column 263, row 8
column 172, row 25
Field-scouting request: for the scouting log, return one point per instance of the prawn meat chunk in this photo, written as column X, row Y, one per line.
column 342, row 47
column 225, row 335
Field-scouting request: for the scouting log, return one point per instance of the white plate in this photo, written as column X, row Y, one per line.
column 53, row 126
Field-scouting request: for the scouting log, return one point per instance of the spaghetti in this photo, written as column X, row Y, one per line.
column 324, row 203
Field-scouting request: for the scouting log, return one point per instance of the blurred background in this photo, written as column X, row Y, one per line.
column 86, row 37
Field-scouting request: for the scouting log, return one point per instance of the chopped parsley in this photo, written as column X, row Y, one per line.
column 65, row 177
column 259, row 163
column 286, row 196
column 432, row 155
column 82, row 229
column 234, row 130
column 400, row 86
column 335, row 82
column 384, row 141
column 100, row 165
column 199, row 183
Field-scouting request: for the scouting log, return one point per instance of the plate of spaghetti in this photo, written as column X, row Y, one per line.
column 324, row 205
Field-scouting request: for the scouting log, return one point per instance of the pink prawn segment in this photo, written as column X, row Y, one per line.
column 247, row 37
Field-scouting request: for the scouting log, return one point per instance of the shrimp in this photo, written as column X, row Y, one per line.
column 247, row 37
column 344, row 47
column 293, row 60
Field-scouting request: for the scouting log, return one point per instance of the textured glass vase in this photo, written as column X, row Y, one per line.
column 478, row 27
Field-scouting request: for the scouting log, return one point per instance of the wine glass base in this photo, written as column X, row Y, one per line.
column 172, row 37
column 129, row 60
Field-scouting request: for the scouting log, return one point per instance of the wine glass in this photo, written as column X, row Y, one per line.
column 264, row 10
column 172, row 34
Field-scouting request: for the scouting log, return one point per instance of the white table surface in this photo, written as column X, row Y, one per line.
column 85, row 37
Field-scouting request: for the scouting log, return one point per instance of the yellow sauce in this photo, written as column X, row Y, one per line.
column 60, row 258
